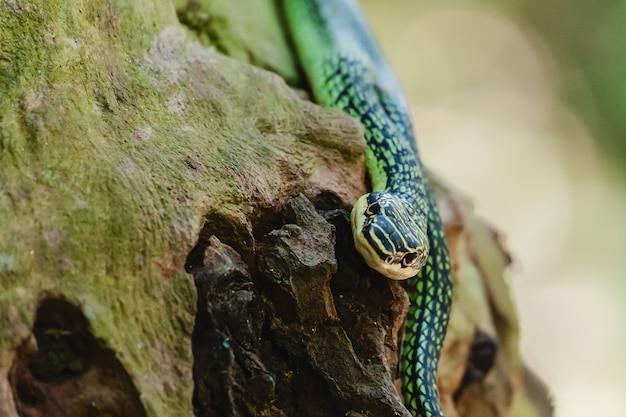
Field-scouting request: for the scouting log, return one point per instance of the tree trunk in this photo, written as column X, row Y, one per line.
column 174, row 236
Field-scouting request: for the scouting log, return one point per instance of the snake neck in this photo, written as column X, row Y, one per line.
column 346, row 70
column 392, row 161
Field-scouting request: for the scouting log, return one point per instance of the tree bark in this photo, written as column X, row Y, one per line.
column 174, row 237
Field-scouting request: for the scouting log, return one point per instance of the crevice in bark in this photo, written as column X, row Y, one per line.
column 272, row 338
column 66, row 371
column 482, row 357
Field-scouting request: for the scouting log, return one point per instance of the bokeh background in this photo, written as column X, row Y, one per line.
column 522, row 106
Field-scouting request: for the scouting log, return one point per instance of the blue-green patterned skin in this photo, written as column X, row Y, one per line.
column 398, row 223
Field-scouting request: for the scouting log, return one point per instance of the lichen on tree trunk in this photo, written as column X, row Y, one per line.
column 130, row 155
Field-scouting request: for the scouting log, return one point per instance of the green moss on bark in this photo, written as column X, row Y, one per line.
column 118, row 135
column 234, row 28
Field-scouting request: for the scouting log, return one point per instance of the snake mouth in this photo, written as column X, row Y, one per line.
column 396, row 266
column 413, row 260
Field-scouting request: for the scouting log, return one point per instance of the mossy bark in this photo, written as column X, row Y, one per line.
column 160, row 251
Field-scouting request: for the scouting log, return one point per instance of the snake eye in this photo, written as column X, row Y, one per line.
column 409, row 258
column 372, row 209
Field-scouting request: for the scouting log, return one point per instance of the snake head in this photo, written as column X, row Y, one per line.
column 388, row 236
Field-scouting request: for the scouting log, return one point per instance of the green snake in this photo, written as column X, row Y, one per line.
column 396, row 227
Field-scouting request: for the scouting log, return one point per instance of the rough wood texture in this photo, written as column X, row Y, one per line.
column 135, row 163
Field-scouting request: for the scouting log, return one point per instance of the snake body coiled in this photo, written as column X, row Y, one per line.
column 396, row 227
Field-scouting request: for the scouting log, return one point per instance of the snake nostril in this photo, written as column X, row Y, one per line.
column 409, row 258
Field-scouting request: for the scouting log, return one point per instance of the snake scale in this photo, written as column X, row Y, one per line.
column 396, row 227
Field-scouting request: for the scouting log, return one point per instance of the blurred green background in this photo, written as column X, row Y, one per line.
column 521, row 105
